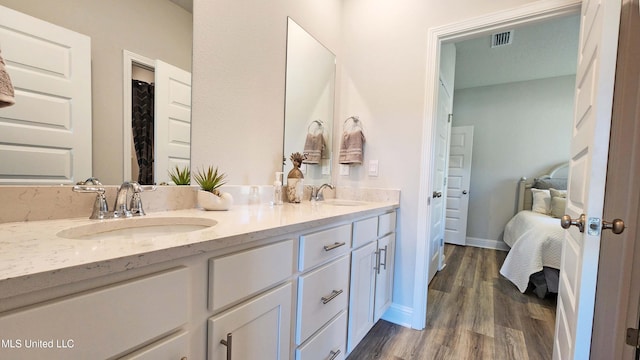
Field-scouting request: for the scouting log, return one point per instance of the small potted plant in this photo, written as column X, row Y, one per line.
column 209, row 197
column 180, row 177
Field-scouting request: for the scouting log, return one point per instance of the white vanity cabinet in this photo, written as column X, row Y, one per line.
column 258, row 328
column 323, row 293
column 371, row 274
column 111, row 321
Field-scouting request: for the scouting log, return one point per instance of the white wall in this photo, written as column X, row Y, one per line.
column 238, row 91
column 151, row 28
column 239, row 80
column 520, row 129
column 384, row 64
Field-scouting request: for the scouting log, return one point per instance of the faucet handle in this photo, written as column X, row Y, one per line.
column 136, row 200
column 100, row 207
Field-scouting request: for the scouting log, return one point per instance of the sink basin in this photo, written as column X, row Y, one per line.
column 342, row 202
column 136, row 228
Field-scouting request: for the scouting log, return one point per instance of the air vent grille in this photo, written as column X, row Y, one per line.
column 502, row 39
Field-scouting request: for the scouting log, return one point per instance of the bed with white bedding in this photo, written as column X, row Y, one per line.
column 534, row 233
column 536, row 242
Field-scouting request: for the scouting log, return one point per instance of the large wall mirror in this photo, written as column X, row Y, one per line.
column 309, row 104
column 156, row 32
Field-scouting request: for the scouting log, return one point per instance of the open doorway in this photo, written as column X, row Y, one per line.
column 515, row 18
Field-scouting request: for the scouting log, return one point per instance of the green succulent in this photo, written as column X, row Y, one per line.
column 210, row 180
column 180, row 177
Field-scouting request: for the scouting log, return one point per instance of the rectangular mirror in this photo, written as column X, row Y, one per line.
column 160, row 30
column 309, row 104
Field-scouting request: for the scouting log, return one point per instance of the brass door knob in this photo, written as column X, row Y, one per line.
column 616, row 226
column 566, row 221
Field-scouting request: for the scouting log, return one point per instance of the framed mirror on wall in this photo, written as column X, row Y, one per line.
column 309, row 104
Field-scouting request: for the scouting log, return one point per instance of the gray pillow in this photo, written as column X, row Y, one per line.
column 560, row 184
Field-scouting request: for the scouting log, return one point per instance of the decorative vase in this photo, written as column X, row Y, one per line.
column 210, row 201
column 295, row 188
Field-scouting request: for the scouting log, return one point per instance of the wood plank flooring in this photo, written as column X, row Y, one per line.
column 473, row 313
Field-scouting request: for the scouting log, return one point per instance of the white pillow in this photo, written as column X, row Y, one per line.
column 541, row 201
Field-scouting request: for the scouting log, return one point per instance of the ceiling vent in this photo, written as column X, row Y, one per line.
column 502, row 39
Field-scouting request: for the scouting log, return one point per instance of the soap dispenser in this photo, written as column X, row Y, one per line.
column 277, row 189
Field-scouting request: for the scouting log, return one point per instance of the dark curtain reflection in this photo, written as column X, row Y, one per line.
column 142, row 126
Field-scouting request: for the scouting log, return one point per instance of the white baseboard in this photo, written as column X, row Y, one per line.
column 399, row 315
column 487, row 244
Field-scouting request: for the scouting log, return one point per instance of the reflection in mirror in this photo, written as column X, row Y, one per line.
column 309, row 103
column 159, row 30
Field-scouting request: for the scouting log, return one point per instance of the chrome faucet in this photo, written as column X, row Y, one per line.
column 316, row 193
column 122, row 208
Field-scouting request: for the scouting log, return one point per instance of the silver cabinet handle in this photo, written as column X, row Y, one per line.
column 227, row 343
column 334, row 246
column 334, row 294
column 385, row 259
column 334, row 354
column 377, row 267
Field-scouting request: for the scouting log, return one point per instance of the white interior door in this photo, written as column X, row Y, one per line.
column 459, row 179
column 438, row 196
column 172, row 120
column 45, row 138
column 587, row 175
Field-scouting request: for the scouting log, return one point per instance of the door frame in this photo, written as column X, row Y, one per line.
column 617, row 296
column 526, row 14
column 129, row 59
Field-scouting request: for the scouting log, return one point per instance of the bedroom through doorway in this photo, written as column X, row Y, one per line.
column 519, row 99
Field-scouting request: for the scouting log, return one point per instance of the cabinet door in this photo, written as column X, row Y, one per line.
column 257, row 329
column 384, row 275
column 361, row 306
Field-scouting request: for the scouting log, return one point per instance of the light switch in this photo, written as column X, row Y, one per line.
column 326, row 167
column 344, row 170
column 373, row 167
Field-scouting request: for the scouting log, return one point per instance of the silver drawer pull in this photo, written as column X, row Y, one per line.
column 334, row 294
column 385, row 258
column 227, row 343
column 334, row 246
column 334, row 354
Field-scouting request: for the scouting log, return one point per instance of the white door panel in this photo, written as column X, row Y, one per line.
column 438, row 198
column 589, row 153
column 46, row 135
column 172, row 119
column 459, row 179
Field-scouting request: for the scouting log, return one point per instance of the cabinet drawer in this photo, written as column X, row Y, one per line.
column 365, row 231
column 321, row 295
column 386, row 224
column 101, row 323
column 327, row 342
column 237, row 276
column 321, row 246
column 174, row 347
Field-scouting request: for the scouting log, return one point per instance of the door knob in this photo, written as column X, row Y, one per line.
column 616, row 226
column 566, row 221
column 464, row 192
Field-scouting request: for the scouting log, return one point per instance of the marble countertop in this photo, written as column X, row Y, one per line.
column 33, row 256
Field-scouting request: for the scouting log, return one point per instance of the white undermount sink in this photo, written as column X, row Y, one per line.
column 343, row 202
column 136, row 228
